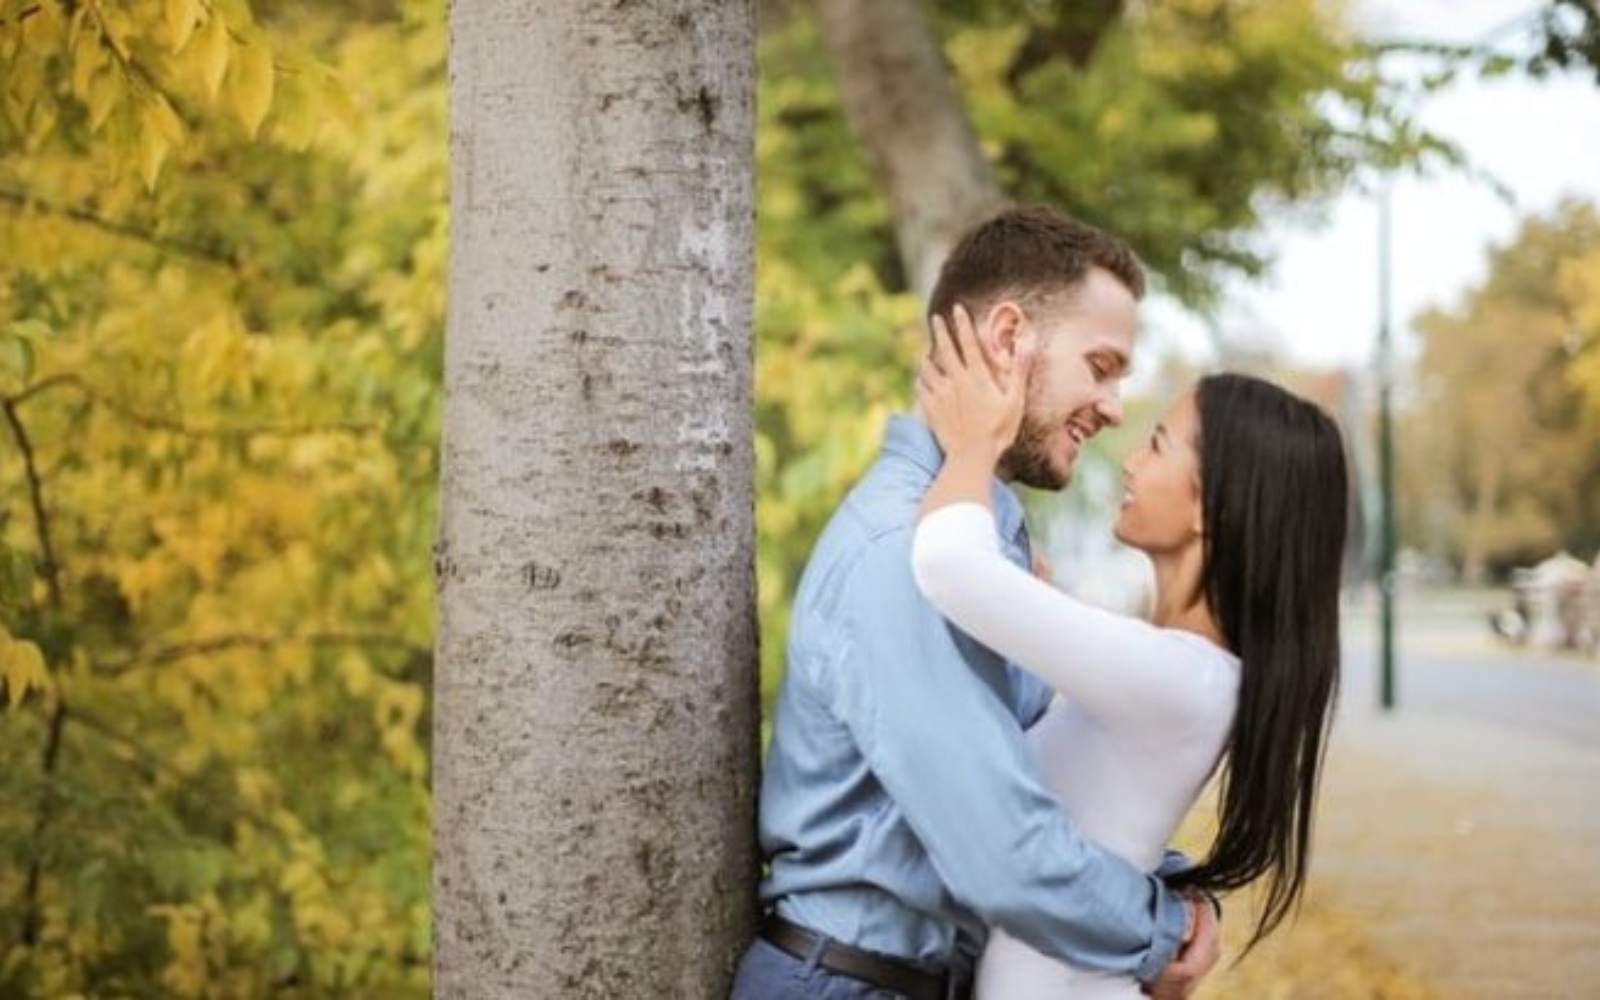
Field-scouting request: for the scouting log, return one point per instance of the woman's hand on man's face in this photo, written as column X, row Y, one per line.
column 973, row 401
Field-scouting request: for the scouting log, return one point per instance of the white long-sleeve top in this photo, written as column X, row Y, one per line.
column 1141, row 721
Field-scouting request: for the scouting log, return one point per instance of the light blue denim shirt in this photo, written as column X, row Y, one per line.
column 901, row 810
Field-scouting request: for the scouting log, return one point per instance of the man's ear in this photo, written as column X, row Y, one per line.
column 1005, row 329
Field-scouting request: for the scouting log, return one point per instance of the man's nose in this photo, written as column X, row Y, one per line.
column 1110, row 408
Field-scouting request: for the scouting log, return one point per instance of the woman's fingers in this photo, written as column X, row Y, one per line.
column 944, row 350
column 995, row 364
column 1042, row 568
column 966, row 338
column 959, row 357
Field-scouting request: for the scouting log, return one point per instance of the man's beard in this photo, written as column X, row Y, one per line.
column 1027, row 461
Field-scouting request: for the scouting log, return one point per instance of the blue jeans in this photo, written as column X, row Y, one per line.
column 767, row 972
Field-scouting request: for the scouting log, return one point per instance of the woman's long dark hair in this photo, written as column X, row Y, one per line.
column 1274, row 492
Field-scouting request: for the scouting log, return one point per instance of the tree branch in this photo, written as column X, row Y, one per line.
column 1074, row 32
column 41, row 518
column 22, row 15
column 58, row 715
column 150, row 767
column 217, row 644
column 136, row 73
column 24, row 201
column 176, row 426
column 30, row 892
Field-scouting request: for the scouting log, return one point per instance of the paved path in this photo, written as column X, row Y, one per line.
column 1462, row 832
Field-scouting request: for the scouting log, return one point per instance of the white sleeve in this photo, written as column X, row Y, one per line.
column 1115, row 667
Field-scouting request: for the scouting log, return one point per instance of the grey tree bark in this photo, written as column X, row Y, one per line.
column 596, row 707
column 904, row 110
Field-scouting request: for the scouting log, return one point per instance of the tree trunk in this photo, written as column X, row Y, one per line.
column 595, row 727
column 905, row 112
column 1483, row 507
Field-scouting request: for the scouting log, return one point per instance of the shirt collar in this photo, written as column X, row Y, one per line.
column 911, row 439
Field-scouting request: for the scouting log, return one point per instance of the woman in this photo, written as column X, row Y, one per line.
column 1239, row 500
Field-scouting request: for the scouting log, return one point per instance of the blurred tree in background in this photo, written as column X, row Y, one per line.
column 1502, row 467
column 222, row 247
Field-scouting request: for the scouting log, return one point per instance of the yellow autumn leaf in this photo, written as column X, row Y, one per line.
column 184, row 936
column 211, row 54
column 256, row 786
column 251, row 923
column 88, row 55
column 23, row 667
column 153, row 146
column 251, row 86
column 25, row 84
column 357, row 673
column 77, row 24
column 41, row 123
column 158, row 114
column 45, row 29
column 180, row 19
column 104, row 93
column 299, row 876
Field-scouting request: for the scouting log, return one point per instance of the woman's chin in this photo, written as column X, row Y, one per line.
column 1121, row 535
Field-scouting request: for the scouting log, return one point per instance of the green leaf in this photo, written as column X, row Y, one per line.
column 16, row 359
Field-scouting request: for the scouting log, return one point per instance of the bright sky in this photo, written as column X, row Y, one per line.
column 1540, row 139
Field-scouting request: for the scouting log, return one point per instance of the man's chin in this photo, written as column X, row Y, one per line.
column 1034, row 467
column 1056, row 483
column 1044, row 477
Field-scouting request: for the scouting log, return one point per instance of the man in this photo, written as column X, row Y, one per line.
column 901, row 812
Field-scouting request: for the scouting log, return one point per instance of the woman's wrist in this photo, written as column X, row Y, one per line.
column 973, row 461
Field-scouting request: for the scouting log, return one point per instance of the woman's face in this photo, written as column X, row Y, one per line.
column 1161, row 485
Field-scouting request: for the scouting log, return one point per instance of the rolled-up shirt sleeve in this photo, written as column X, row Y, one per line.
column 952, row 757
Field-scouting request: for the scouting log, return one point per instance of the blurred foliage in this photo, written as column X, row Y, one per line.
column 1500, row 466
column 1569, row 36
column 221, row 290
column 222, row 276
column 1181, row 125
column 1551, row 37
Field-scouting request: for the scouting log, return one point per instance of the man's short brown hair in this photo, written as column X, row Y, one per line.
column 1033, row 253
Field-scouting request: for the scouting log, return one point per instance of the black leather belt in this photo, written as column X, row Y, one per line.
column 869, row 967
